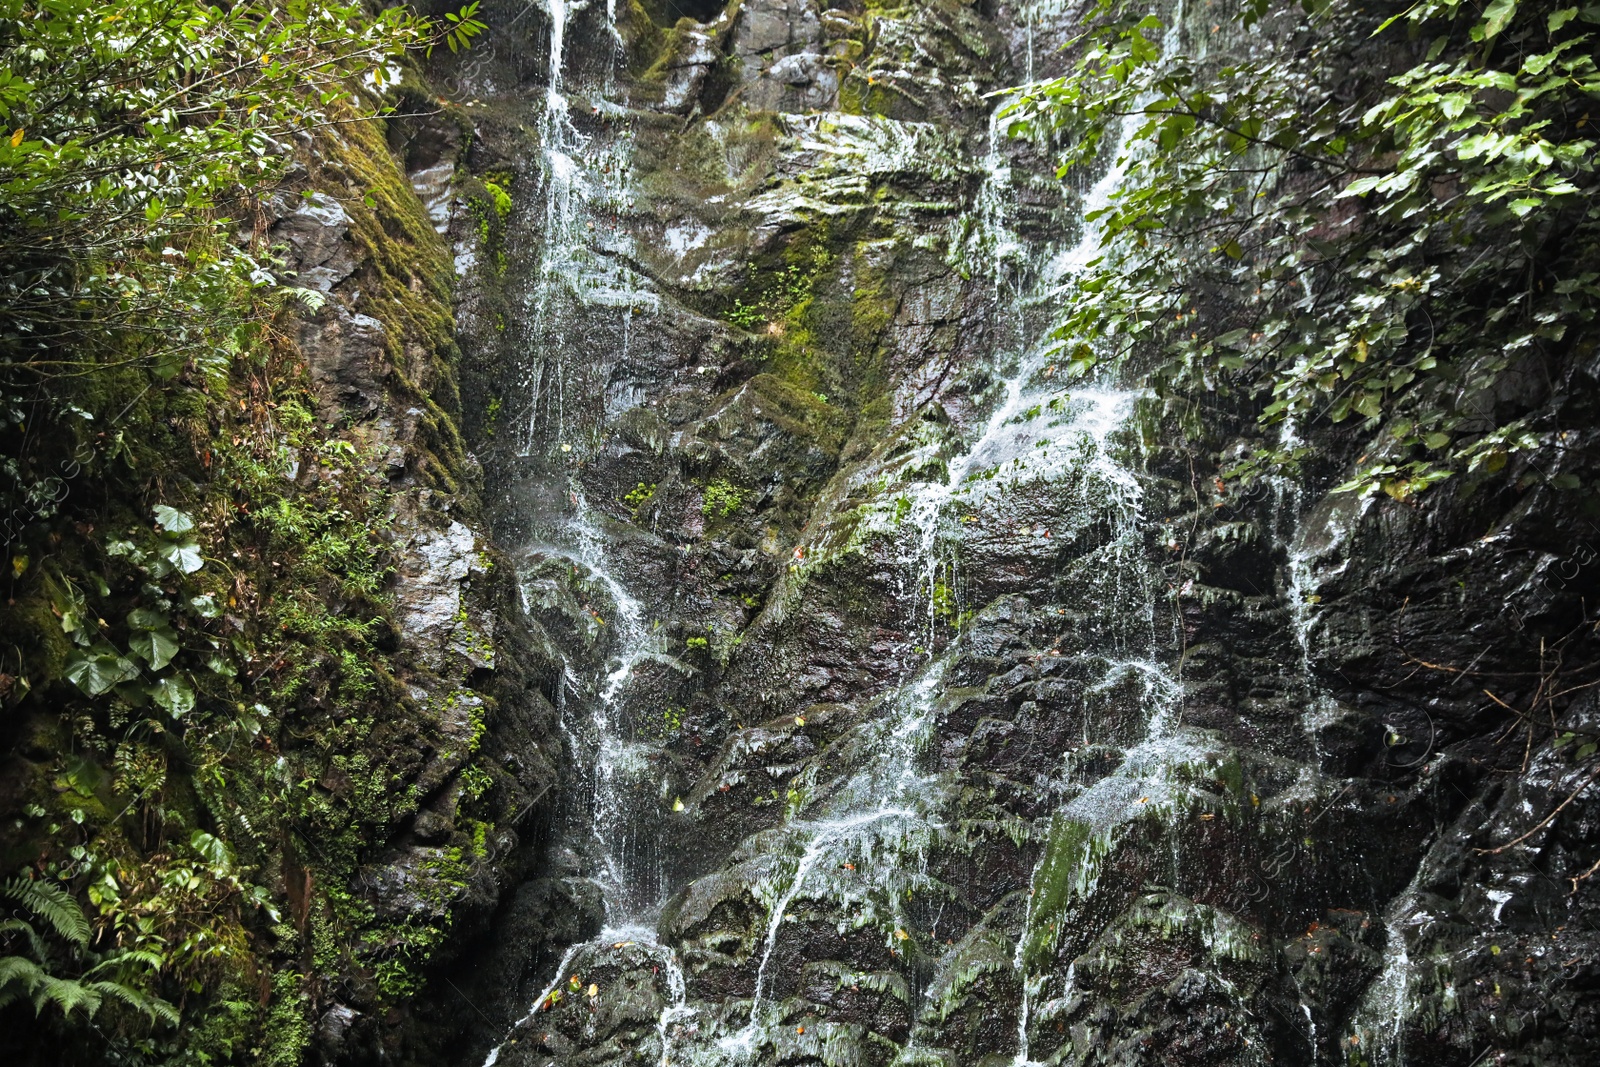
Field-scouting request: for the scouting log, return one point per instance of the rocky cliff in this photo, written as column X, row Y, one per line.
column 674, row 607
column 350, row 750
column 923, row 706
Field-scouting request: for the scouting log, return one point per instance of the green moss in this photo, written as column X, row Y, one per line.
column 408, row 280
column 287, row 1032
column 1067, row 871
column 800, row 412
column 28, row 625
column 720, row 498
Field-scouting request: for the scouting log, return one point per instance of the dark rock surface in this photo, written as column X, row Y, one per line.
column 1202, row 775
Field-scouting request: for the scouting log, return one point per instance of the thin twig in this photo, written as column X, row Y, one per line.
column 1593, row 774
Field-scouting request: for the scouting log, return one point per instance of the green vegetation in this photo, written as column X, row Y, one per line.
column 639, row 496
column 200, row 648
column 1401, row 242
column 103, row 979
column 780, row 292
column 492, row 209
column 120, row 196
column 721, row 498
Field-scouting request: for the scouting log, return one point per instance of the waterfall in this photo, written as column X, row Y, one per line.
column 1029, row 435
column 582, row 177
column 582, row 260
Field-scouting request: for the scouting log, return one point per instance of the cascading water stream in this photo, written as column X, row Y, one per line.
column 582, row 178
column 1023, row 418
column 579, row 177
column 901, row 810
column 1038, row 431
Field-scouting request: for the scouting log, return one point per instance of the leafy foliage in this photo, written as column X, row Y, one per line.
column 1331, row 243
column 133, row 123
column 110, row 976
column 204, row 673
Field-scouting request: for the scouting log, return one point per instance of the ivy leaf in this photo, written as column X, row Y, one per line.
column 157, row 647
column 183, row 556
column 174, row 694
column 145, row 619
column 99, row 669
column 172, row 520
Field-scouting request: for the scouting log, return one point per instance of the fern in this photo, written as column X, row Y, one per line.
column 23, row 978
column 153, row 1008
column 20, row 971
column 18, row 926
column 52, row 904
column 65, row 994
column 123, row 962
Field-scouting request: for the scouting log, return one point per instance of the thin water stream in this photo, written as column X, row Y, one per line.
column 582, row 177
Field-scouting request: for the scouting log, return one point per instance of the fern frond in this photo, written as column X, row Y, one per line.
column 126, row 962
column 52, row 904
column 35, row 942
column 153, row 1008
column 20, row 972
column 67, row 995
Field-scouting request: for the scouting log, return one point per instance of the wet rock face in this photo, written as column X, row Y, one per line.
column 467, row 748
column 920, row 709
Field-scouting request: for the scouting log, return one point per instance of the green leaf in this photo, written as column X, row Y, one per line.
column 1496, row 15
column 174, row 694
column 99, row 669
column 146, row 619
column 1560, row 18
column 211, row 849
column 183, row 556
column 157, row 647
column 72, row 608
column 172, row 520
